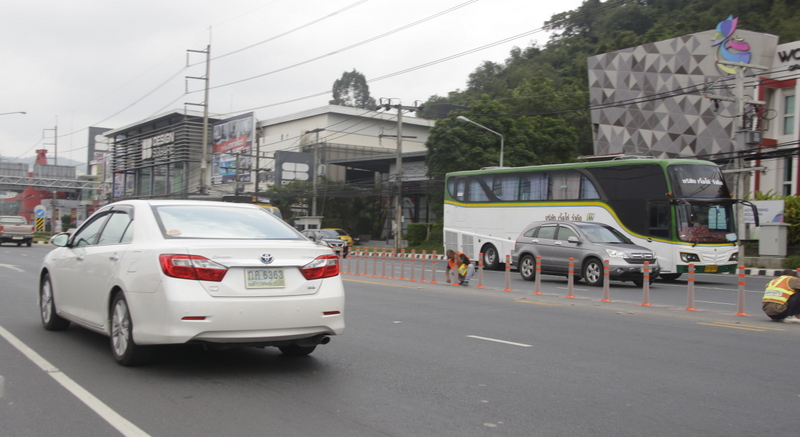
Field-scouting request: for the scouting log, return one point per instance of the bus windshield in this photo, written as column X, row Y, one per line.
column 703, row 222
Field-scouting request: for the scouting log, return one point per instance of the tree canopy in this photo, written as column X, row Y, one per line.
column 352, row 90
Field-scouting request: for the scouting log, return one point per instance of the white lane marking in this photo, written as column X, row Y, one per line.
column 12, row 267
column 500, row 341
column 717, row 303
column 112, row 417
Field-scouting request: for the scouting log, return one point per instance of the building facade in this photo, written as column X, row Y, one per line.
column 719, row 95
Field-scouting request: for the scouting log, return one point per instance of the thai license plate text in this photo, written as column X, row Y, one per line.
column 265, row 278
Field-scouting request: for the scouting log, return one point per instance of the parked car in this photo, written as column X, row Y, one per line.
column 328, row 237
column 589, row 243
column 149, row 272
column 15, row 229
column 343, row 235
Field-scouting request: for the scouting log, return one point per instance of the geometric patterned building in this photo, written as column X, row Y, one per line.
column 650, row 100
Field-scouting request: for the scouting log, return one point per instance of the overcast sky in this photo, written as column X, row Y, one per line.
column 80, row 63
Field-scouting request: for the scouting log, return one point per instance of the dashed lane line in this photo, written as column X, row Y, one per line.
column 113, row 418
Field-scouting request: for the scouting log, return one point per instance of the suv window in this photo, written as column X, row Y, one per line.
column 547, row 232
column 564, row 233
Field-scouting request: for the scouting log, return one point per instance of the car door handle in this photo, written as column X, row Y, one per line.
column 114, row 258
column 534, row 241
column 558, row 243
column 79, row 257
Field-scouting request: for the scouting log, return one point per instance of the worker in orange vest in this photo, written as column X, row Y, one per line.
column 461, row 264
column 781, row 301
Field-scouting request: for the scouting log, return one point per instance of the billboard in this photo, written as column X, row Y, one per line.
column 232, row 140
column 293, row 166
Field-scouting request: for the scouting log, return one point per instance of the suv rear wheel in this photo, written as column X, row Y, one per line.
column 527, row 268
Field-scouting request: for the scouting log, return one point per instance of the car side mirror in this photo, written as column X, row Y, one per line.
column 60, row 240
column 574, row 239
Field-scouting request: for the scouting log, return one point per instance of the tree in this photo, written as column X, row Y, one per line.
column 352, row 90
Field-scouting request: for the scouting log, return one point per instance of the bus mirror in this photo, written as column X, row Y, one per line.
column 731, row 237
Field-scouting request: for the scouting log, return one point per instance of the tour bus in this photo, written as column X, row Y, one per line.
column 679, row 208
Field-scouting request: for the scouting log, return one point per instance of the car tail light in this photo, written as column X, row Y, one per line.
column 323, row 266
column 192, row 267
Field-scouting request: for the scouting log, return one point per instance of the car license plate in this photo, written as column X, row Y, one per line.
column 265, row 278
column 710, row 269
column 17, row 237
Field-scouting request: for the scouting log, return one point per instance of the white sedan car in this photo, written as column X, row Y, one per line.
column 176, row 271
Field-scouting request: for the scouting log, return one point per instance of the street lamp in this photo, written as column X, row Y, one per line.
column 15, row 112
column 462, row 118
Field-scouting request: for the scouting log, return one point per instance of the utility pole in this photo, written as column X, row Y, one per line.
column 316, row 168
column 206, row 78
column 398, row 204
column 740, row 137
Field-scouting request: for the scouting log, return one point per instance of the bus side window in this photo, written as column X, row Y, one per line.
column 588, row 190
column 658, row 217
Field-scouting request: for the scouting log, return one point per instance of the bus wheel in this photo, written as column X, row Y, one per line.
column 593, row 272
column 669, row 277
column 491, row 259
column 527, row 268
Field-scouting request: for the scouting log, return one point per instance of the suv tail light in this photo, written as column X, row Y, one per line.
column 192, row 267
column 324, row 266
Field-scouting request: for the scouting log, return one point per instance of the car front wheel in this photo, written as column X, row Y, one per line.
column 50, row 320
column 125, row 350
column 527, row 268
column 593, row 272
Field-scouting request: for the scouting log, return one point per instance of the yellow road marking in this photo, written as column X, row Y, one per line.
column 378, row 283
column 744, row 327
column 537, row 303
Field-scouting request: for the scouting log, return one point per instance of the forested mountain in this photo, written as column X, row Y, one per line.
column 538, row 97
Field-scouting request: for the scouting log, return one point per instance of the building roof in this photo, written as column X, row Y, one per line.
column 346, row 111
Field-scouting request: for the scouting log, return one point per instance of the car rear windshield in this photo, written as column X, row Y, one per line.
column 13, row 220
column 221, row 222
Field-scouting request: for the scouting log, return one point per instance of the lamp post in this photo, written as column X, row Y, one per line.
column 15, row 112
column 462, row 118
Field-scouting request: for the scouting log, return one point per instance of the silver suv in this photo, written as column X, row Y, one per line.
column 589, row 243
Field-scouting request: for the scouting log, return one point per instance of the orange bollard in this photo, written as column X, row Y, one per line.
column 422, row 265
column 570, row 278
column 537, row 288
column 375, row 264
column 690, row 291
column 383, row 265
column 402, row 264
column 508, row 273
column 392, row 277
column 646, row 285
column 367, row 256
column 606, row 279
column 480, row 271
column 741, row 292
column 413, row 260
column 433, row 268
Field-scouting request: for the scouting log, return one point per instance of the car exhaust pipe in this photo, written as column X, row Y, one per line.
column 313, row 341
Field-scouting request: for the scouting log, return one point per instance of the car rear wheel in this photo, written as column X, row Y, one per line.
column 593, row 272
column 296, row 351
column 125, row 350
column 50, row 320
column 527, row 268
